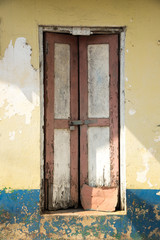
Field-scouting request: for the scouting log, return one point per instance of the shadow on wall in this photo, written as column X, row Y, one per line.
column 19, row 213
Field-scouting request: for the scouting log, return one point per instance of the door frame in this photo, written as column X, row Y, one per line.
column 86, row 31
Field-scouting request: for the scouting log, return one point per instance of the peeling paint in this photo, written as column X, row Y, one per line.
column 157, row 212
column 20, row 219
column 19, row 92
column 12, row 135
column 157, row 139
column 149, row 183
column 142, row 175
column 19, row 89
column 132, row 111
column 156, row 233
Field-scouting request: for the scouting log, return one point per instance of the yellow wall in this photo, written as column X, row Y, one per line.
column 19, row 83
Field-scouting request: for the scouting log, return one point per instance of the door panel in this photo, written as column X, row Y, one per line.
column 62, row 81
column 98, row 156
column 98, row 80
column 61, row 106
column 61, row 176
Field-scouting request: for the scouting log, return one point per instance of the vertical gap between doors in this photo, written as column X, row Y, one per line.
column 79, row 130
column 118, row 205
column 46, row 199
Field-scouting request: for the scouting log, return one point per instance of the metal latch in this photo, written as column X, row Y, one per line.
column 82, row 122
column 75, row 123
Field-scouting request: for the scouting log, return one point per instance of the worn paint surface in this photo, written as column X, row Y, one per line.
column 20, row 219
column 61, row 107
column 98, row 81
column 61, row 177
column 99, row 198
column 19, row 106
column 62, row 81
column 20, row 129
column 98, row 157
column 19, row 81
column 58, row 75
column 99, row 145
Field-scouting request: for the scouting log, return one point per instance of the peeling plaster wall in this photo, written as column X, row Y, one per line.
column 20, row 112
column 19, row 26
column 19, row 81
column 20, row 219
column 19, row 101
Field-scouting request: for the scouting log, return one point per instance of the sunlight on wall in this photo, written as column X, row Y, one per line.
column 19, row 100
column 20, row 83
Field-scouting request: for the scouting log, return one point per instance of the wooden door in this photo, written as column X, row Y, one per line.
column 61, row 106
column 81, row 92
column 99, row 139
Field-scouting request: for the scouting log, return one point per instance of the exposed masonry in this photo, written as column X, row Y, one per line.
column 19, row 92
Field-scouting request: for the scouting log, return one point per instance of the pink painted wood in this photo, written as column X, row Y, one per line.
column 112, row 121
column 83, row 86
column 50, row 123
column 100, row 199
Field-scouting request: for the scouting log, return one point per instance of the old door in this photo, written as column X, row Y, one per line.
column 81, row 121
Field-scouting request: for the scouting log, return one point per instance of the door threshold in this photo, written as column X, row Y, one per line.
column 81, row 212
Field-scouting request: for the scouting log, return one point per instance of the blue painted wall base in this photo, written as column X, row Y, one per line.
column 20, row 219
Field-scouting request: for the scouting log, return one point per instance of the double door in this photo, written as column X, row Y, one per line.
column 81, row 121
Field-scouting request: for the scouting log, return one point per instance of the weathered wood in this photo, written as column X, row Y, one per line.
column 111, row 116
column 61, row 123
column 60, row 78
column 61, row 175
column 62, row 81
column 74, row 116
column 49, row 109
column 102, row 120
column 98, row 156
column 114, row 118
column 83, row 86
column 49, row 119
column 99, row 199
column 98, row 80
